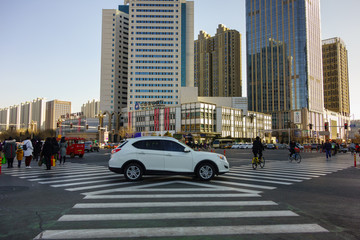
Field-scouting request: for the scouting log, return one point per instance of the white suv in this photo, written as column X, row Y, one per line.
column 164, row 155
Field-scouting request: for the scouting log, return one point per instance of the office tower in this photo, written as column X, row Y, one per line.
column 161, row 51
column 336, row 78
column 54, row 110
column 284, row 61
column 218, row 63
column 91, row 109
column 114, row 59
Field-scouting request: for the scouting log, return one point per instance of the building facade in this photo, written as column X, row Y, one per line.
column 114, row 59
column 217, row 69
column 336, row 76
column 161, row 51
column 91, row 109
column 4, row 118
column 54, row 110
column 284, row 62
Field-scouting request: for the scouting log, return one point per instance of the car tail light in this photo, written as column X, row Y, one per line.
column 115, row 150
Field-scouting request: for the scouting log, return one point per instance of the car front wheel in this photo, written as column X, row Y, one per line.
column 133, row 172
column 206, row 171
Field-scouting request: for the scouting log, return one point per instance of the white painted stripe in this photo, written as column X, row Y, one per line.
column 174, row 204
column 258, row 180
column 179, row 231
column 139, row 196
column 57, row 170
column 81, row 179
column 175, row 215
column 261, row 173
column 294, row 173
column 96, row 186
column 288, row 170
column 73, row 176
column 244, row 185
column 169, row 190
column 52, row 173
column 264, row 177
column 84, row 183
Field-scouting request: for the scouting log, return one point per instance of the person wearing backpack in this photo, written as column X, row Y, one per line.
column 10, row 151
column 28, row 150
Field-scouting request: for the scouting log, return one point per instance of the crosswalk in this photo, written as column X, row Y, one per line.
column 177, row 206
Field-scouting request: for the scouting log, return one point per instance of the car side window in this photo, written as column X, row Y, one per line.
column 173, row 146
column 149, row 145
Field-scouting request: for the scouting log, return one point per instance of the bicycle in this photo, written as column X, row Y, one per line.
column 256, row 161
column 296, row 157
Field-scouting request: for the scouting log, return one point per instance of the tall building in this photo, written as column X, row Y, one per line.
column 114, row 59
column 38, row 113
column 4, row 118
column 161, row 51
column 91, row 108
column 54, row 110
column 284, row 62
column 336, row 77
column 218, row 63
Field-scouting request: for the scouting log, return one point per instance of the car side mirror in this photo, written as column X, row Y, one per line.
column 187, row 150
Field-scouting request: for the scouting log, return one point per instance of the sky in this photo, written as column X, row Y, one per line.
column 52, row 48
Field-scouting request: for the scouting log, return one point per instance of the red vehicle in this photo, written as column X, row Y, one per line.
column 76, row 146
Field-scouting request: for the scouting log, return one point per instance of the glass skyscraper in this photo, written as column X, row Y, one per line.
column 284, row 61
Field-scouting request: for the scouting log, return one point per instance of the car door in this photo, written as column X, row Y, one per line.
column 176, row 160
column 151, row 154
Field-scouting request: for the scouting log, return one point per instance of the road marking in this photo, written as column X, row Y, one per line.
column 175, row 215
column 209, row 195
column 180, row 231
column 73, row 176
column 261, row 173
column 174, row 204
column 244, row 185
column 87, row 182
column 257, row 180
column 80, row 179
column 264, row 177
column 96, row 186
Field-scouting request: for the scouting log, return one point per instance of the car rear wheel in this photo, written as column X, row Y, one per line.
column 133, row 172
column 206, row 171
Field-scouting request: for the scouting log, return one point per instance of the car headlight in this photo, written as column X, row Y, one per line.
column 222, row 157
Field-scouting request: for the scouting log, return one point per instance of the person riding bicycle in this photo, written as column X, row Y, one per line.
column 292, row 148
column 257, row 147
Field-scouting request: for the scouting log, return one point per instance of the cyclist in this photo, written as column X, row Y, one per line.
column 257, row 147
column 292, row 148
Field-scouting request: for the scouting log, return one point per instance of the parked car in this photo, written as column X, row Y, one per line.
column 270, row 146
column 235, row 146
column 343, row 149
column 164, row 155
column 88, row 146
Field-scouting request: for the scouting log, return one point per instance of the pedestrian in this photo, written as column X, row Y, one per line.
column 63, row 145
column 327, row 148
column 10, row 151
column 56, row 148
column 37, row 149
column 19, row 155
column 47, row 152
column 28, row 150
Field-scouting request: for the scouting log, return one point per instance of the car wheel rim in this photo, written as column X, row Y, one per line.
column 133, row 172
column 206, row 172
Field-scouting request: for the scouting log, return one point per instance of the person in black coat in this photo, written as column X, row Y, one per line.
column 47, row 152
column 257, row 147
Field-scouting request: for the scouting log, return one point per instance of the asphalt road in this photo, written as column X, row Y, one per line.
column 311, row 200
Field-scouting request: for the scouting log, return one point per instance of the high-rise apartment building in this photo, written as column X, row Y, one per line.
column 284, row 61
column 217, row 71
column 54, row 110
column 38, row 113
column 91, row 109
column 336, row 77
column 161, row 51
column 114, row 59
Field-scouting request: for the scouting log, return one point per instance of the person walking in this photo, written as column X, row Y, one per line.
column 19, row 155
column 63, row 145
column 28, row 150
column 37, row 149
column 10, row 151
column 327, row 147
column 56, row 148
column 47, row 152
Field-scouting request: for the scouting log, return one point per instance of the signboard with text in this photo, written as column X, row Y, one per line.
column 297, row 117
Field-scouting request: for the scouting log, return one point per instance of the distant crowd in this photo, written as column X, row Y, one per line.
column 43, row 152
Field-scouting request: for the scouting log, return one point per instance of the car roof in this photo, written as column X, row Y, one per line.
column 151, row 138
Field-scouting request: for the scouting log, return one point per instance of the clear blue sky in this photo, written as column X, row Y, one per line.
column 52, row 48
